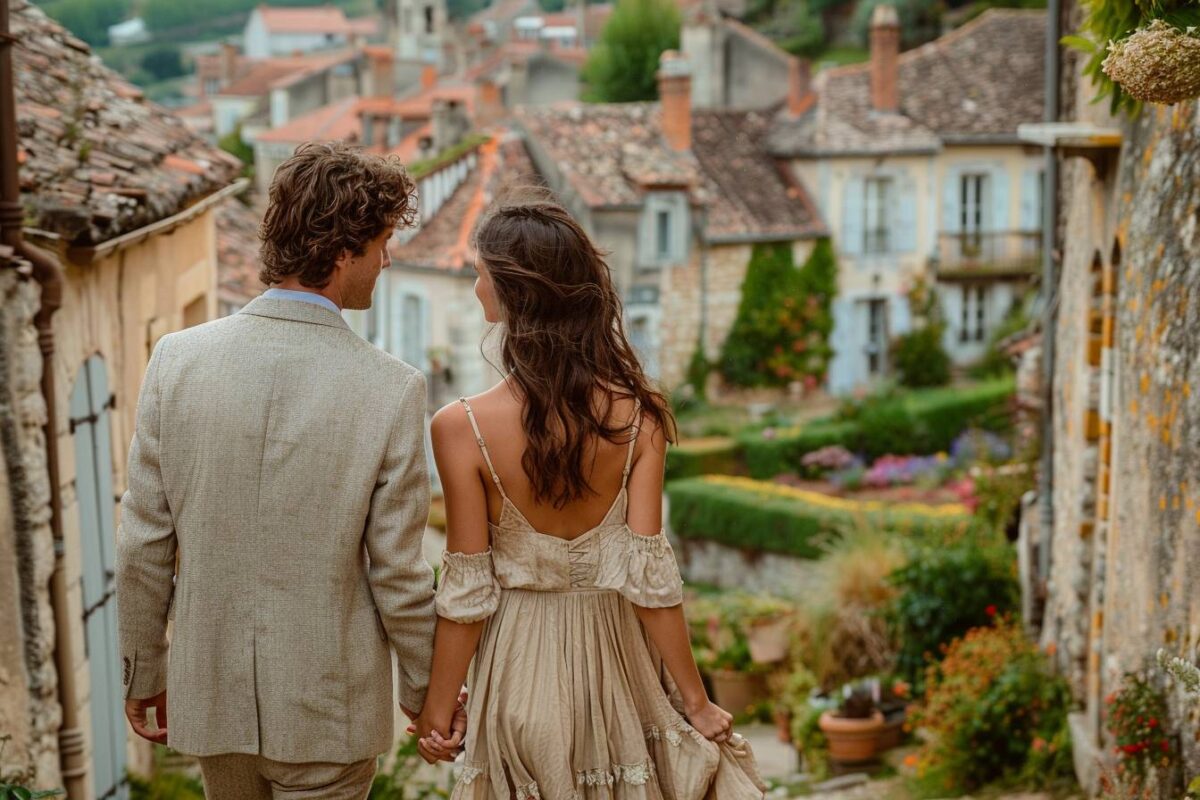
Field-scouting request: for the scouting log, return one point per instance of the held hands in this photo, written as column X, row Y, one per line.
column 711, row 721
column 135, row 712
column 431, row 744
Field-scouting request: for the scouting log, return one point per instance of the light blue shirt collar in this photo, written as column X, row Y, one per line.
column 303, row 297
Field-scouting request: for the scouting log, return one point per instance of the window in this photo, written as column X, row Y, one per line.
column 428, row 19
column 877, row 336
column 973, row 320
column 212, row 86
column 875, row 220
column 663, row 234
column 972, row 212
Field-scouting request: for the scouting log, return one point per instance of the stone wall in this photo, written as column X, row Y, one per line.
column 728, row 568
column 28, row 683
column 1125, row 554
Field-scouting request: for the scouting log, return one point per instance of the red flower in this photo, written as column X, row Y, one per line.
column 1152, row 722
column 990, row 611
column 1166, row 747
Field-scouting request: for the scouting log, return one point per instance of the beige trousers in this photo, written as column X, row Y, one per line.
column 245, row 777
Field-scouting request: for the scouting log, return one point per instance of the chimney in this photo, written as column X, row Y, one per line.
column 675, row 94
column 885, row 57
column 800, row 93
column 429, row 76
column 381, row 72
column 228, row 63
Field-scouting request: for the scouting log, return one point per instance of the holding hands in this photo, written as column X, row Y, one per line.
column 432, row 744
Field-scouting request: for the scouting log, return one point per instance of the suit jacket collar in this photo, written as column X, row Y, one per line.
column 294, row 311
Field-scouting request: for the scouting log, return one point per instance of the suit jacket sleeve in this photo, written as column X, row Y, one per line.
column 146, row 547
column 401, row 579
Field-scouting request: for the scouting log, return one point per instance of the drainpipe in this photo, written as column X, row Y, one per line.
column 1049, row 296
column 49, row 275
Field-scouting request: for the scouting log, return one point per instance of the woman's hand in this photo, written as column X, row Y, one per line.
column 711, row 721
column 431, row 744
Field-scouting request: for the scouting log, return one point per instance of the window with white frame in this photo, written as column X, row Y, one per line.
column 973, row 192
column 973, row 313
column 662, row 234
column 875, row 215
column 877, row 336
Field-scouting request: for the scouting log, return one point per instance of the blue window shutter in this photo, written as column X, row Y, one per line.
column 904, row 221
column 1029, row 199
column 1000, row 216
column 852, row 217
column 900, row 321
column 951, row 202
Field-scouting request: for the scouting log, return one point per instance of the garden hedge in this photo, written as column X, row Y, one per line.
column 690, row 460
column 918, row 422
column 771, row 518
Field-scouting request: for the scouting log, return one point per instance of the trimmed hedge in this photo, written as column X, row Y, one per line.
column 722, row 457
column 770, row 518
column 917, row 422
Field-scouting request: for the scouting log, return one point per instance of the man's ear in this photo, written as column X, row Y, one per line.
column 343, row 260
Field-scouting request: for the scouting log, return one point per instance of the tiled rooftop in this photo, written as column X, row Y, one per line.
column 609, row 154
column 96, row 159
column 444, row 242
column 974, row 84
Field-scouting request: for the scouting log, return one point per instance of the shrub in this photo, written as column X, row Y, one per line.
column 996, row 713
column 920, row 359
column 767, row 517
column 917, row 422
column 781, row 333
column 697, row 372
column 689, row 460
column 945, row 591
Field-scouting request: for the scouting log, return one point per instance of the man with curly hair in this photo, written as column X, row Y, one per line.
column 278, row 495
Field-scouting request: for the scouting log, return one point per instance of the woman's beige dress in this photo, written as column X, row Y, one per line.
column 568, row 700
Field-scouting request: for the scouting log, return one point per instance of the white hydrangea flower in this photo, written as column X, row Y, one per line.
column 1187, row 673
column 1158, row 64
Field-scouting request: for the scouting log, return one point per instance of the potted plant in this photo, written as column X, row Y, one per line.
column 768, row 623
column 893, row 704
column 723, row 652
column 853, row 729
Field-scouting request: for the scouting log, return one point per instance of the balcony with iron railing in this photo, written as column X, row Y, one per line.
column 987, row 254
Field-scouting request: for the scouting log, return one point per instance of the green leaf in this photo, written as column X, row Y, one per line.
column 1079, row 43
column 20, row 793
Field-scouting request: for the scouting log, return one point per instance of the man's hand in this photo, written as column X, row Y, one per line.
column 135, row 712
column 432, row 745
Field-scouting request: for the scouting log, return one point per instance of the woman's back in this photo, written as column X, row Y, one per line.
column 498, row 417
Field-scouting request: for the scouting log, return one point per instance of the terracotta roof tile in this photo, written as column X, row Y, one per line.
column 108, row 162
column 237, row 252
column 335, row 121
column 317, row 19
column 444, row 242
column 976, row 83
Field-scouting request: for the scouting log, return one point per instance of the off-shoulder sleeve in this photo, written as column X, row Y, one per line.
column 467, row 589
column 643, row 569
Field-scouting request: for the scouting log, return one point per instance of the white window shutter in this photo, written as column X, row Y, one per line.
column 851, row 243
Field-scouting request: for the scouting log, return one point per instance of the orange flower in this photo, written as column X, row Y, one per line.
column 911, row 760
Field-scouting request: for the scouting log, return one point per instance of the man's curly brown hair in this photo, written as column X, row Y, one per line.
column 329, row 198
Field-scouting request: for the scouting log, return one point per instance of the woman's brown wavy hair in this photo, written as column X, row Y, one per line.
column 562, row 340
column 325, row 199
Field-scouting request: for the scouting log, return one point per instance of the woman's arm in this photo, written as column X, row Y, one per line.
column 666, row 626
column 454, row 643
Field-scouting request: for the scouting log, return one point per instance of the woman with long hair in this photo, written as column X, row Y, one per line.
column 558, row 579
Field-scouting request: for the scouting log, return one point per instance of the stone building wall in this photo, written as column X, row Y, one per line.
column 1125, row 554
column 28, row 683
column 680, row 292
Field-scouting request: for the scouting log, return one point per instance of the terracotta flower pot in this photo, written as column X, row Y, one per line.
column 891, row 735
column 769, row 640
column 852, row 740
column 736, row 691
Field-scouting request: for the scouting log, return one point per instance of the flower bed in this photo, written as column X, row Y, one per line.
column 767, row 517
column 918, row 422
column 709, row 456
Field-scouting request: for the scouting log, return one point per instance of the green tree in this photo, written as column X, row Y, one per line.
column 623, row 65
column 163, row 63
column 88, row 19
column 919, row 357
column 782, row 329
column 920, row 20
